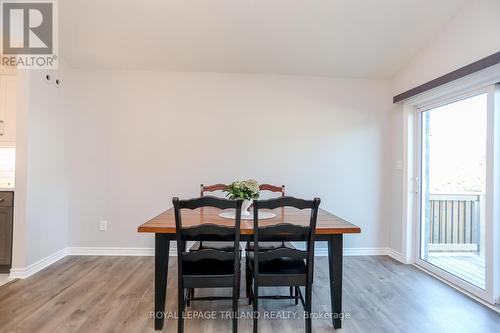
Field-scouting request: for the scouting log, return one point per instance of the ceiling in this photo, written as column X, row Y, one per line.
column 340, row 38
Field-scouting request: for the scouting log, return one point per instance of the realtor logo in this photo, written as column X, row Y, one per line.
column 28, row 34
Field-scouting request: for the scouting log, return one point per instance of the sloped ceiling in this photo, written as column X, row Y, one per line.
column 340, row 38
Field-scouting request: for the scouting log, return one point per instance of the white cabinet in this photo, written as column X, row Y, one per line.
column 7, row 110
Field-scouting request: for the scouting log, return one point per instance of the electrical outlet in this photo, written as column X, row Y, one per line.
column 103, row 225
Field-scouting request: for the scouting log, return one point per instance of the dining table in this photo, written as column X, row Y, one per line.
column 329, row 228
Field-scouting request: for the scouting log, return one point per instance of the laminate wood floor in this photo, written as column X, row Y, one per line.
column 115, row 294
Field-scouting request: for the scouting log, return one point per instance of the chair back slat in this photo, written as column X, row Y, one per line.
column 285, row 202
column 272, row 188
column 285, row 232
column 211, row 188
column 208, row 201
column 283, row 253
column 211, row 231
column 207, row 254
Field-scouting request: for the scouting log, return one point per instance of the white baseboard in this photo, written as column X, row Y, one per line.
column 23, row 273
column 396, row 255
column 114, row 251
column 363, row 251
column 323, row 252
column 134, row 251
column 366, row 251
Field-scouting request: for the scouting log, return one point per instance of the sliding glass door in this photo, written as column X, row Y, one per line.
column 456, row 163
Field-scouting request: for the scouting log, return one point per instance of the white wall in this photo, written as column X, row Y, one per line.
column 117, row 145
column 91, row 162
column 42, row 170
column 139, row 138
column 395, row 223
column 471, row 35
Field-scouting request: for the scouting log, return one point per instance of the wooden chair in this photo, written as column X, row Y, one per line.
column 265, row 246
column 269, row 245
column 272, row 188
column 227, row 246
column 211, row 188
column 221, row 246
column 286, row 267
column 207, row 268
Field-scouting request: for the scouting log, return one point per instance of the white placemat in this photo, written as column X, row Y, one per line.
column 262, row 215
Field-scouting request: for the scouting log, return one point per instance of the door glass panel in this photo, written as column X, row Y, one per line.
column 453, row 174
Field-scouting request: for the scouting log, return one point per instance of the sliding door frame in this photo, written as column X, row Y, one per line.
column 492, row 191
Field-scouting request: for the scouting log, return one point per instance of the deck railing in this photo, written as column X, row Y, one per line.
column 454, row 222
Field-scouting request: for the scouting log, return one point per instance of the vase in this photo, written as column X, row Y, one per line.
column 245, row 206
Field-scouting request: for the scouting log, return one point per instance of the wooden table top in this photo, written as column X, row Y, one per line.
column 327, row 224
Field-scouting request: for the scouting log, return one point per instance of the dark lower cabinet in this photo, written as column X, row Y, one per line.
column 6, row 221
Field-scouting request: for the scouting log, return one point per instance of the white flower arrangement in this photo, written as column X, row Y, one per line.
column 243, row 189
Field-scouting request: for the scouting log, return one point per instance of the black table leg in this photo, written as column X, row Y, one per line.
column 162, row 249
column 335, row 254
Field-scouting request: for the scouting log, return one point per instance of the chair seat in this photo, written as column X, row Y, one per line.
column 220, row 246
column 279, row 265
column 266, row 246
column 208, row 267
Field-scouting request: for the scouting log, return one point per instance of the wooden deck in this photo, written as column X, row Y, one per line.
column 468, row 267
